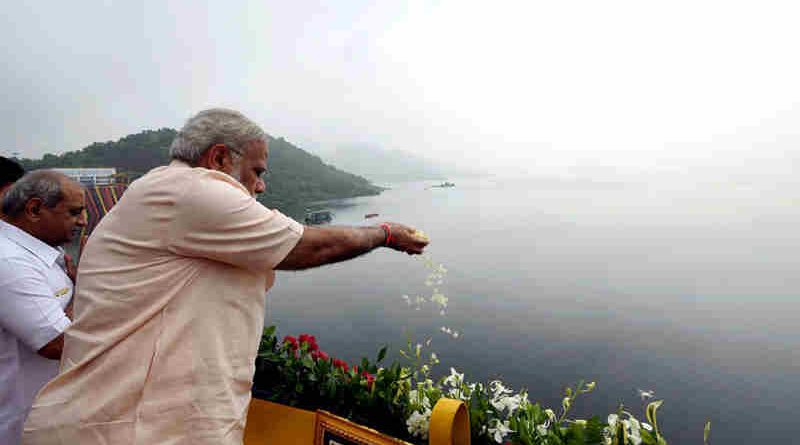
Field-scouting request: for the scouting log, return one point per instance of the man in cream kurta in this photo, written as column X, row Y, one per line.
column 172, row 287
column 170, row 294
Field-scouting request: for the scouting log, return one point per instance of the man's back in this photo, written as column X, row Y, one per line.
column 168, row 311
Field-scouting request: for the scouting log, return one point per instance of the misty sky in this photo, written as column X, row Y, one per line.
column 585, row 87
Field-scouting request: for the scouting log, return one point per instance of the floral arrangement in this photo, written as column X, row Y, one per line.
column 398, row 399
column 296, row 372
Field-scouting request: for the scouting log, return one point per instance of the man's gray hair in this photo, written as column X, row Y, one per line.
column 43, row 184
column 214, row 126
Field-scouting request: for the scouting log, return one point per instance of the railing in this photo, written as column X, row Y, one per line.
column 272, row 423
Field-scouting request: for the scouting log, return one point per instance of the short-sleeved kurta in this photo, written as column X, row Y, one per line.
column 169, row 309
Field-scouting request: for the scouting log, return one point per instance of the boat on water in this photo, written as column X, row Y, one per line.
column 318, row 217
column 370, row 215
column 445, row 185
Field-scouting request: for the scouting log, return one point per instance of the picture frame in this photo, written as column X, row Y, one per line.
column 335, row 430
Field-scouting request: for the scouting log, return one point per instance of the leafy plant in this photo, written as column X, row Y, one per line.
column 398, row 399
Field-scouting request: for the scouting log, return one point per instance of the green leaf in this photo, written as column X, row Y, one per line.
column 382, row 353
column 706, row 432
column 650, row 412
column 594, row 430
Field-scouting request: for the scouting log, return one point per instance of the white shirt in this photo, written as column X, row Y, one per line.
column 34, row 290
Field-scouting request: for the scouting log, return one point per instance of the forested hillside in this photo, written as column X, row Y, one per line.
column 295, row 178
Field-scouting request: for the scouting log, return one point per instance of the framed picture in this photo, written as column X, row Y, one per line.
column 335, row 430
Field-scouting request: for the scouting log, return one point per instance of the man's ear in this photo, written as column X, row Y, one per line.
column 215, row 157
column 33, row 209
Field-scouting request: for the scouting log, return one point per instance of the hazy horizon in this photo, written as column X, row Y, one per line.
column 535, row 88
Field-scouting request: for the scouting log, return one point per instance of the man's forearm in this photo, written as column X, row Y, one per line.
column 52, row 350
column 68, row 309
column 328, row 245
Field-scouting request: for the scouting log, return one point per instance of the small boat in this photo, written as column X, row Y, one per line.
column 319, row 217
column 370, row 215
column 444, row 185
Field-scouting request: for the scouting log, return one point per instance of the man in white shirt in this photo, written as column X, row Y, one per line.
column 43, row 210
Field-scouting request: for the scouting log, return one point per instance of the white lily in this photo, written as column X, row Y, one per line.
column 500, row 430
column 498, row 389
column 454, row 379
column 419, row 423
column 635, row 435
column 612, row 421
column 511, row 403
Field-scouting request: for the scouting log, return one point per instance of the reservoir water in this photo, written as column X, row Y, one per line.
column 687, row 289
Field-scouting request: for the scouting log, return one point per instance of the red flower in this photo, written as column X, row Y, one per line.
column 355, row 369
column 310, row 340
column 319, row 355
column 370, row 379
column 292, row 341
column 341, row 364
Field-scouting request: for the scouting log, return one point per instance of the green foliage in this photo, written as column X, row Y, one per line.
column 134, row 154
column 297, row 373
column 296, row 178
column 398, row 400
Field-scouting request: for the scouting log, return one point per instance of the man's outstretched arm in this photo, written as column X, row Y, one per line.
column 325, row 245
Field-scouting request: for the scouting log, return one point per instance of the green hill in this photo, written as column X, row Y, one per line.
column 296, row 177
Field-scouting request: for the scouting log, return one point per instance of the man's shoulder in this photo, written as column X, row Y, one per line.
column 214, row 187
column 178, row 174
column 11, row 251
column 16, row 262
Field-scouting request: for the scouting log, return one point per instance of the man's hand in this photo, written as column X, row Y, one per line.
column 72, row 270
column 406, row 239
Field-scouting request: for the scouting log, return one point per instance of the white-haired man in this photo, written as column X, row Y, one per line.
column 170, row 297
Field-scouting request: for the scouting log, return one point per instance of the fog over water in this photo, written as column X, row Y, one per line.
column 690, row 290
column 639, row 224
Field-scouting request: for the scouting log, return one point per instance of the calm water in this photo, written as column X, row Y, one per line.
column 690, row 290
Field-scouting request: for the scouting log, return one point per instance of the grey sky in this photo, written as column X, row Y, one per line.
column 526, row 86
